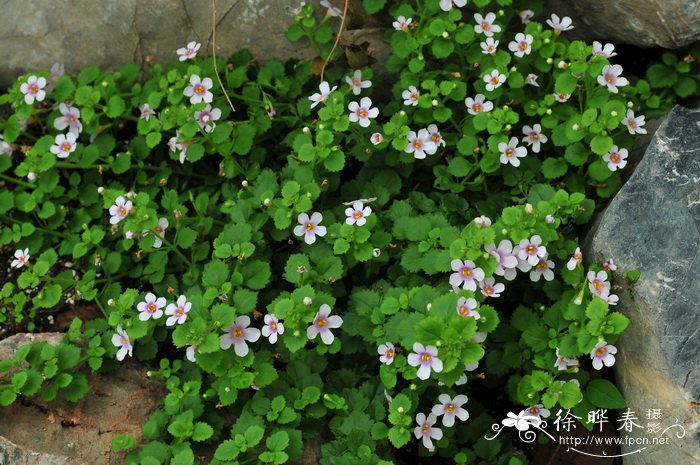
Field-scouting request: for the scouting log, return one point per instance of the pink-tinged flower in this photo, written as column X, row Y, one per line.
column 576, row 259
column 561, row 97
column 120, row 209
column 362, row 112
column 145, row 112
column 467, row 308
column 177, row 312
column 506, row 261
column 64, row 145
column 70, row 118
column 206, row 118
column 523, row 265
column 323, row 323
column 446, row 5
column 189, row 52
column 564, row 363
column 597, row 282
column 386, row 352
column 607, row 51
column 490, row 288
column 538, row 411
column 33, row 89
column 602, row 354
column 410, row 96
column 616, row 158
column 489, row 46
column 425, row 358
column 420, row 144
column 634, row 125
column 466, row 274
column 272, row 328
column 159, row 231
column 611, row 77
column 198, row 90
column 478, row 104
column 451, row 408
column 190, row 353
column 4, row 146
column 435, row 135
column 151, row 307
column 531, row 80
column 331, row 10
column 175, row 145
column 611, row 299
column 356, row 83
column 543, row 269
column 427, row 431
column 402, row 23
column 522, row 45
column 57, row 70
column 609, row 265
column 510, row 152
column 357, row 214
column 484, row 25
column 494, row 80
column 482, row 221
column 526, row 16
column 21, row 258
column 309, row 228
column 237, row 334
column 376, row 138
column 121, row 340
column 534, row 137
column 565, row 24
column 531, row 250
column 322, row 95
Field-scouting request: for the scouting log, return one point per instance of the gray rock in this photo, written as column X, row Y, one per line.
column 653, row 225
column 9, row 346
column 645, row 23
column 12, row 454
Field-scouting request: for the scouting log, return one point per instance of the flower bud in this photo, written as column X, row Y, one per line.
column 149, row 373
column 575, row 127
column 562, row 64
column 413, row 387
column 613, row 113
column 296, row 333
column 513, row 69
column 546, row 41
column 509, row 127
column 400, row 410
column 267, row 202
column 429, row 306
column 549, row 61
column 111, row 302
column 445, row 35
column 549, row 111
column 501, row 12
column 402, row 113
column 101, row 190
column 130, row 195
column 306, row 130
column 129, row 234
column 244, row 184
column 630, row 104
column 31, row 176
column 376, row 252
column 322, row 126
column 435, row 102
column 307, row 301
column 549, row 219
column 528, row 208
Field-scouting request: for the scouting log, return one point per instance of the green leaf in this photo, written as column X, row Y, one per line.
column 48, row 296
column 243, row 138
column 7, row 396
column 123, row 442
column 603, row 394
column 565, row 84
column 399, row 436
column 278, row 441
column 153, row 139
column 186, row 237
column 184, row 457
column 215, row 273
column 227, row 451
column 373, row 6
column 442, row 48
column 77, row 389
column 601, row 144
column 536, row 337
column 202, row 431
column 553, row 168
column 115, row 107
column 256, row 274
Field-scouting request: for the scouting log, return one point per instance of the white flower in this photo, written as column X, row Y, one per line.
column 198, row 90
column 484, row 25
column 490, row 288
column 21, row 258
column 189, row 52
column 410, row 96
column 309, row 228
column 533, row 137
column 451, row 408
column 489, row 46
column 190, row 353
column 616, row 158
column 322, row 95
column 159, row 231
column 272, row 328
column 494, row 80
column 602, row 354
column 70, row 118
column 467, row 308
column 323, row 323
column 420, row 144
column 564, row 363
column 4, row 146
column 597, row 283
column 478, row 104
column 151, row 307
column 576, row 259
column 237, row 334
column 446, row 5
column 402, row 23
column 426, row 359
column 611, row 77
column 119, row 210
column 561, row 97
column 435, row 135
column 543, row 269
column 376, row 138
column 538, row 411
column 506, row 261
column 64, row 145
column 565, row 24
column 357, row 214
column 531, row 80
column 526, row 15
column 356, row 83
column 177, row 312
column 611, row 299
column 426, row 430
column 206, row 117
column 482, row 221
column 466, row 274
column 386, row 352
column 634, row 125
column 362, row 112
column 331, row 10
column 33, row 89
column 522, row 45
column 510, row 152
column 145, row 111
column 607, row 51
column 531, row 250
column 121, row 340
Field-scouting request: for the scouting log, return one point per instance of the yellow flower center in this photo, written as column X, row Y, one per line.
column 466, row 272
column 158, row 230
column 414, row 96
column 488, row 290
column 449, row 408
column 597, row 285
column 476, row 107
column 600, row 352
column 179, row 312
column 509, row 152
column 632, row 123
column 357, row 215
column 542, row 265
column 237, row 332
column 531, row 249
column 70, row 118
column 389, row 353
column 615, row 157
column 273, row 326
column 362, row 113
column 356, row 82
column 523, row 46
column 65, row 147
column 309, row 226
column 124, row 341
column 425, row 357
column 33, row 88
column 609, row 79
column 464, row 311
column 494, row 80
column 199, row 89
column 435, row 137
column 122, row 211
column 151, row 308
column 534, row 410
column 321, row 323
column 417, row 144
column 486, row 26
column 534, row 136
column 425, row 428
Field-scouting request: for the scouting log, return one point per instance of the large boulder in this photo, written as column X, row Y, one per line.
column 653, row 225
column 644, row 23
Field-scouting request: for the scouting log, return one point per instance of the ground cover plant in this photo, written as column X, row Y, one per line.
column 316, row 262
